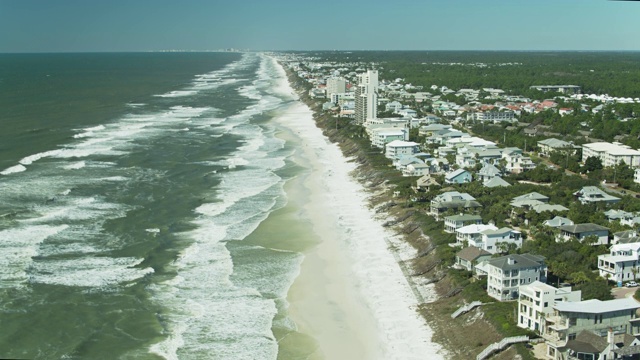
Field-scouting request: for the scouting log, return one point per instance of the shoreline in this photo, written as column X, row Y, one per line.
column 354, row 267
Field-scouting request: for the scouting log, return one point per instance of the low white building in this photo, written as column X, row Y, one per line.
column 611, row 154
column 536, row 302
column 493, row 116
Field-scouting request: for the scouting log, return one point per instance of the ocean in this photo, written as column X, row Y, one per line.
column 142, row 207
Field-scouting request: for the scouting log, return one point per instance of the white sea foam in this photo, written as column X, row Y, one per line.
column 178, row 93
column 88, row 271
column 14, row 169
column 18, row 246
column 75, row 166
column 35, row 157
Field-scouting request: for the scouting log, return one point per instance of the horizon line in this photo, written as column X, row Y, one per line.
column 233, row 50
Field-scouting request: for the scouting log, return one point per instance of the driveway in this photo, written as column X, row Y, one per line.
column 623, row 292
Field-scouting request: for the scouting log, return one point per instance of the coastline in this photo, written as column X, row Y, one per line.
column 351, row 295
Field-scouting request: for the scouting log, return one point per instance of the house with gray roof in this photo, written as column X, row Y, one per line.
column 558, row 221
column 453, row 201
column 488, row 172
column 582, row 231
column 549, row 145
column 506, row 274
column 532, row 196
column 495, row 182
column 625, row 237
column 468, row 257
column 593, row 194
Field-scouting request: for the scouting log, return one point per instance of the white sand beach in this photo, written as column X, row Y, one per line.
column 351, row 294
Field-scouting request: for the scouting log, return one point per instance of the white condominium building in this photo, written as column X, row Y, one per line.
column 611, row 153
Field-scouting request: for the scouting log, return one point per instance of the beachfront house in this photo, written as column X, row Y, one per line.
column 416, row 170
column 469, row 257
column 506, row 274
column 622, row 263
column 453, row 222
column 488, row 237
column 382, row 136
column 536, row 302
column 399, row 148
column 454, row 202
column 425, row 183
column 599, row 234
column 602, row 319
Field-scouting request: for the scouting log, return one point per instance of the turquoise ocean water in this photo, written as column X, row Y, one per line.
column 131, row 188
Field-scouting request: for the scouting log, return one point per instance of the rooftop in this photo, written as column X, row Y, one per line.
column 580, row 228
column 595, row 306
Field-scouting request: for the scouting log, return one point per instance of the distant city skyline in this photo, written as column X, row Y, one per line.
column 200, row 25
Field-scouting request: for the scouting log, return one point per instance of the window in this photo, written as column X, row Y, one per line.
column 546, row 304
column 572, row 336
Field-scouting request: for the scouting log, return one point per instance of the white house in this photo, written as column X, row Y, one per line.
column 506, row 274
column 381, row 137
column 487, row 237
column 398, row 148
column 536, row 302
column 622, row 263
column 516, row 163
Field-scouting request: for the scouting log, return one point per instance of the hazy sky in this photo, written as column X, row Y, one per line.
column 142, row 25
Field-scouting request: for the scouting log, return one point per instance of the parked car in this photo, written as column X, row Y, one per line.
column 631, row 284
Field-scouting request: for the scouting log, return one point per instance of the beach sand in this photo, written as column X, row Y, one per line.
column 351, row 295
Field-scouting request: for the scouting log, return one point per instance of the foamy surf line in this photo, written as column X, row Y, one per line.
column 402, row 332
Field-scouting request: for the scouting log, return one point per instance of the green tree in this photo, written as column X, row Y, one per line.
column 592, row 164
column 597, row 289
